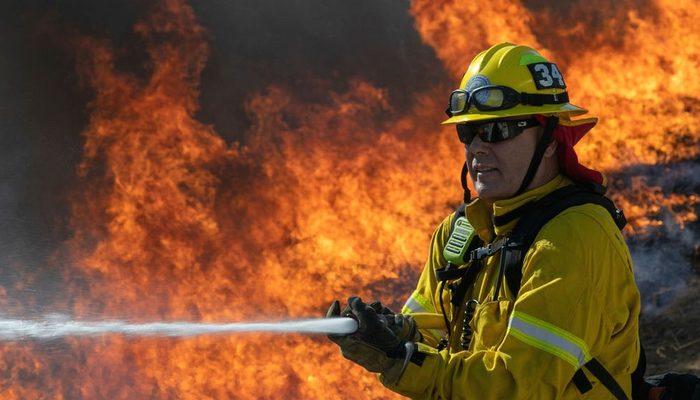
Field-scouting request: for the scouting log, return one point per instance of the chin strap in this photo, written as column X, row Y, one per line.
column 463, row 179
column 546, row 139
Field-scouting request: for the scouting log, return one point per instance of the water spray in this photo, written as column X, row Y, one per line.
column 57, row 325
column 53, row 327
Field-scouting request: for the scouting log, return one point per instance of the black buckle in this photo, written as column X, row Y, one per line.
column 488, row 250
column 481, row 253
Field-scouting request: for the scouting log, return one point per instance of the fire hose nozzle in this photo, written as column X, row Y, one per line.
column 423, row 320
column 345, row 325
column 332, row 326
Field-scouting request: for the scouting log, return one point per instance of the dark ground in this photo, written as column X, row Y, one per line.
column 670, row 337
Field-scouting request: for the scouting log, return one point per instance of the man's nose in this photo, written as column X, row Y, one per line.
column 477, row 146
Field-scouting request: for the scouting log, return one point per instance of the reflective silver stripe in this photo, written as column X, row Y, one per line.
column 547, row 340
column 413, row 305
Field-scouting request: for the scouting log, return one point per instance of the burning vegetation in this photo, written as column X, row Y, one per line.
column 323, row 199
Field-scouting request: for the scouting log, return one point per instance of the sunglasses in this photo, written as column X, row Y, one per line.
column 494, row 131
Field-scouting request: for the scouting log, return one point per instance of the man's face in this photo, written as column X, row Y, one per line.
column 498, row 169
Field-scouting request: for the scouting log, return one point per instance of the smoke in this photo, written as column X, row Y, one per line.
column 293, row 44
column 588, row 25
column 670, row 246
column 41, row 110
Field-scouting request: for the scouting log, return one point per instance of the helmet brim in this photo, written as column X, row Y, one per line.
column 568, row 109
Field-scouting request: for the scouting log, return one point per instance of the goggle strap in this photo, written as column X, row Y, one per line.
column 537, row 99
column 532, row 99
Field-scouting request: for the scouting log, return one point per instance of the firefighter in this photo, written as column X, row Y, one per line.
column 532, row 280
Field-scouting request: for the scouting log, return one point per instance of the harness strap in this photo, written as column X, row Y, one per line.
column 598, row 370
column 467, row 281
column 551, row 205
column 581, row 381
column 500, row 220
column 448, row 274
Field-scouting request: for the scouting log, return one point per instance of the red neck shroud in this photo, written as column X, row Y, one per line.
column 567, row 134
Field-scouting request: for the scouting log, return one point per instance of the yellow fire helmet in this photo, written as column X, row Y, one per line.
column 508, row 80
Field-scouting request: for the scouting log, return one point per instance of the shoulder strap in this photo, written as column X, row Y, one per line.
column 604, row 377
column 543, row 211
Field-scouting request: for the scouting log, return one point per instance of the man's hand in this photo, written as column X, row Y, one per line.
column 403, row 326
column 375, row 346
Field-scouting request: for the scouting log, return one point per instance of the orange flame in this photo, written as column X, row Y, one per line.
column 321, row 200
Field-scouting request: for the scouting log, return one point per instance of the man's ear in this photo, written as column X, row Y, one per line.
column 551, row 149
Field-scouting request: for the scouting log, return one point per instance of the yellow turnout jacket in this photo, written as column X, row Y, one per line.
column 578, row 300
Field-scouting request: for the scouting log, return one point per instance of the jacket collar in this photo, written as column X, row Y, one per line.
column 480, row 215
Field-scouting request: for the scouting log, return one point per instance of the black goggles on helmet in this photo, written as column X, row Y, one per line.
column 496, row 97
column 494, row 131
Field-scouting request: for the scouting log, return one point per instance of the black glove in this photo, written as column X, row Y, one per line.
column 374, row 346
column 403, row 325
column 373, row 328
